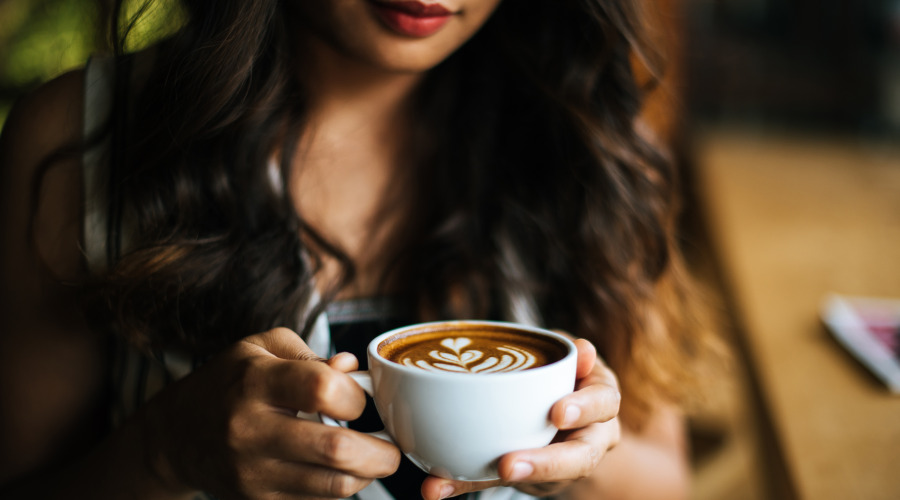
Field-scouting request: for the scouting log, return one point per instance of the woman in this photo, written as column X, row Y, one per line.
column 279, row 181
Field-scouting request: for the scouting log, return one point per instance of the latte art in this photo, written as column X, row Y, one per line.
column 476, row 349
column 459, row 359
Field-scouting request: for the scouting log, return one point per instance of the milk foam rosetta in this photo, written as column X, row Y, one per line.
column 455, row 357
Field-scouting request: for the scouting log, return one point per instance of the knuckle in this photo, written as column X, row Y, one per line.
column 244, row 483
column 592, row 458
column 343, row 485
column 616, row 399
column 323, row 388
column 582, row 462
column 337, row 448
column 248, row 376
column 281, row 371
column 239, row 432
column 616, row 437
column 611, row 402
column 392, row 462
column 551, row 469
column 237, row 479
column 593, row 461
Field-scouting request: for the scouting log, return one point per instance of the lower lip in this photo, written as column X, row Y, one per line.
column 409, row 25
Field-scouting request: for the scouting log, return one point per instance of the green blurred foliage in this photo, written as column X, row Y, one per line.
column 40, row 39
column 154, row 20
column 44, row 38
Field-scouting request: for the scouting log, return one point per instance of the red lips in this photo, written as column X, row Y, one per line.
column 412, row 18
column 418, row 9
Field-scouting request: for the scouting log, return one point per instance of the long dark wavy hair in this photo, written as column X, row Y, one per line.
column 533, row 184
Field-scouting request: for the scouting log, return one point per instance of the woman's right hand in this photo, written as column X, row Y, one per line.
column 230, row 428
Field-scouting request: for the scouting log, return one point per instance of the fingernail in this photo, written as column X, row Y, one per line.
column 446, row 491
column 521, row 470
column 573, row 412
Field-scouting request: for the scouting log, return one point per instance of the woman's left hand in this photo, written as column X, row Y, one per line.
column 588, row 428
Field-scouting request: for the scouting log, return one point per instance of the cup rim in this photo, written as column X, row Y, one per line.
column 372, row 349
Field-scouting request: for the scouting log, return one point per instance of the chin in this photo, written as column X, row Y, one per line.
column 407, row 59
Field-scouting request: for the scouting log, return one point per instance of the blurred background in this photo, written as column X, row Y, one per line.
column 815, row 64
column 785, row 117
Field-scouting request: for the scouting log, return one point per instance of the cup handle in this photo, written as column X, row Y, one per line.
column 365, row 381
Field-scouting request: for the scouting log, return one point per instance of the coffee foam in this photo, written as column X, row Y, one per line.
column 479, row 350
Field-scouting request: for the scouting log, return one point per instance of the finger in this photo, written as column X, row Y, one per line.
column 283, row 343
column 305, row 480
column 436, row 488
column 344, row 361
column 310, row 386
column 593, row 402
column 587, row 357
column 575, row 458
column 303, row 441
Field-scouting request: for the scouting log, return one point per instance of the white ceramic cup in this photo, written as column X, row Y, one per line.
column 457, row 425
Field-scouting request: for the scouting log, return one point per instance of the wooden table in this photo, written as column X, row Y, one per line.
column 791, row 219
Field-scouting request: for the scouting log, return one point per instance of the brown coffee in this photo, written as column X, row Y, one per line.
column 472, row 349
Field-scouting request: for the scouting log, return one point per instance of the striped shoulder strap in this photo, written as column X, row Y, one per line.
column 99, row 76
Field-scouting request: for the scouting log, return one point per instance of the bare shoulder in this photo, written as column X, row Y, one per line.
column 41, row 188
column 43, row 120
column 51, row 363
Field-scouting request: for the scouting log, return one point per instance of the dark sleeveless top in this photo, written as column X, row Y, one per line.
column 353, row 324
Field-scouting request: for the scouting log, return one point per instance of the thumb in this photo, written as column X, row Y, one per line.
column 283, row 343
column 344, row 361
column 587, row 357
column 292, row 376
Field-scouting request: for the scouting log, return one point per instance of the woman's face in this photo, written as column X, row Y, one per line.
column 398, row 35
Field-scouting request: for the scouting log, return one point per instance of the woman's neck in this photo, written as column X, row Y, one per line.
column 350, row 163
